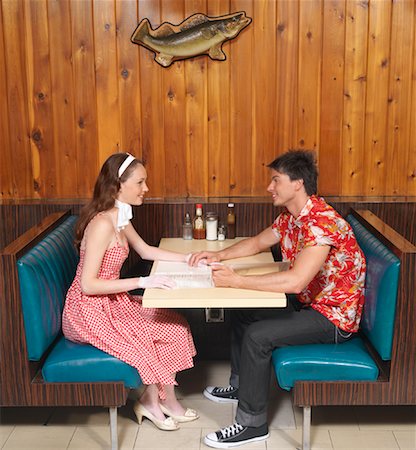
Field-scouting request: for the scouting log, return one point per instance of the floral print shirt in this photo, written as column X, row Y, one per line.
column 337, row 291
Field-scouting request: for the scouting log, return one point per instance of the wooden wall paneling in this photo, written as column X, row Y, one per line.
column 411, row 166
column 355, row 84
column 129, row 79
column 264, row 93
column 399, row 102
column 39, row 100
column 85, row 107
column 219, row 114
column 196, row 108
column 108, row 112
column 20, row 162
column 331, row 101
column 6, row 185
column 153, row 147
column 173, row 85
column 59, row 24
column 310, row 45
column 377, row 97
column 241, row 106
column 287, row 60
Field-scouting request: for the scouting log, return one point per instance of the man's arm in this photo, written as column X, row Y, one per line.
column 246, row 247
column 307, row 265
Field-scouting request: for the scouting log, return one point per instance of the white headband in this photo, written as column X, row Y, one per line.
column 125, row 164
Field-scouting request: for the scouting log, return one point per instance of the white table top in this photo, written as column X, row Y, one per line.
column 215, row 297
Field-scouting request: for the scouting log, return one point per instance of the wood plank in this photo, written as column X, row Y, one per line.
column 40, row 90
column 377, row 97
column 241, row 107
column 62, row 97
column 355, row 84
column 153, row 143
column 108, row 113
column 264, row 93
column 332, row 83
column 399, row 103
column 196, row 109
column 411, row 166
column 6, row 178
column 309, row 75
column 85, row 96
column 129, row 79
column 173, row 88
column 218, row 114
column 287, row 55
column 20, row 168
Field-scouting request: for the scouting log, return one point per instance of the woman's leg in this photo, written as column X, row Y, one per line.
column 150, row 400
column 171, row 402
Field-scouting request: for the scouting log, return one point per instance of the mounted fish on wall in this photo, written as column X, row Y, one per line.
column 196, row 35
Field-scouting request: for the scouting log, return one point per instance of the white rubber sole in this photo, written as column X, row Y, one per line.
column 216, row 444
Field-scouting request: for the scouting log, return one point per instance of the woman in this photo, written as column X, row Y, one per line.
column 98, row 309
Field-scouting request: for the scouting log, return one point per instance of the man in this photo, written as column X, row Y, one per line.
column 327, row 272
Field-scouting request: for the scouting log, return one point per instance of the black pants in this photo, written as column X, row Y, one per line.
column 255, row 334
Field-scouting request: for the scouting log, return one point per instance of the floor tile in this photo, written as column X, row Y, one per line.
column 363, row 440
column 5, row 431
column 149, row 437
column 98, row 437
column 292, row 439
column 329, row 417
column 406, row 439
column 28, row 437
column 80, row 416
column 386, row 417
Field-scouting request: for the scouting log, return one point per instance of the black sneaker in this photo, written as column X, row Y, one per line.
column 221, row 394
column 236, row 435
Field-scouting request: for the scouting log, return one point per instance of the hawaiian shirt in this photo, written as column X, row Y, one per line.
column 337, row 291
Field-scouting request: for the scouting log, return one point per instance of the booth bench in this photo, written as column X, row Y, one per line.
column 377, row 367
column 38, row 366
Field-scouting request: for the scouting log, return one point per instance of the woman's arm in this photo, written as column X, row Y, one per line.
column 149, row 252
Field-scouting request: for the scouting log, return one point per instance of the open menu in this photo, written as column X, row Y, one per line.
column 187, row 277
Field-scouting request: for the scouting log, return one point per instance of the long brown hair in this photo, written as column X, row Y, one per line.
column 106, row 188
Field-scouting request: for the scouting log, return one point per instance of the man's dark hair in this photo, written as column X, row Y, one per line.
column 298, row 165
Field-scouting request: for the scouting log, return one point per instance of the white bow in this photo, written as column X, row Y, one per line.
column 125, row 213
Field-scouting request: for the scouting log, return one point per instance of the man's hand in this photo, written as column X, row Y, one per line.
column 224, row 276
column 203, row 258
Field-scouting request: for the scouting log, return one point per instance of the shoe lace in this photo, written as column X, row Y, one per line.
column 231, row 431
column 225, row 390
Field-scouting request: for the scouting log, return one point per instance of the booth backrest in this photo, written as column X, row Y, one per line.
column 45, row 274
column 381, row 286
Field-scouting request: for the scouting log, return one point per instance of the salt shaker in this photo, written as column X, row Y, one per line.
column 211, row 226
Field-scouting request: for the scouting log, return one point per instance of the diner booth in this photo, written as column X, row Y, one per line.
column 79, row 82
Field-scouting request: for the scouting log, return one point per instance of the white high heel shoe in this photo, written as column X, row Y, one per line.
column 168, row 424
column 189, row 416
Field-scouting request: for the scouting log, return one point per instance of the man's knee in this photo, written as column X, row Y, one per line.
column 258, row 335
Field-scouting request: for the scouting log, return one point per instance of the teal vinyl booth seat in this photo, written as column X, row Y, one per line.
column 45, row 272
column 356, row 359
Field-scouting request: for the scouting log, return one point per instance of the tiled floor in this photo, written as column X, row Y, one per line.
column 353, row 428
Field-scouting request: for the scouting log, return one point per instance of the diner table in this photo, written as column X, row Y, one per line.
column 194, row 285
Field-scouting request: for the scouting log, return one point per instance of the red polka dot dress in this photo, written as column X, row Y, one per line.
column 157, row 342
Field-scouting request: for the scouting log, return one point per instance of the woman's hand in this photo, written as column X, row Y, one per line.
column 203, row 258
column 156, row 281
